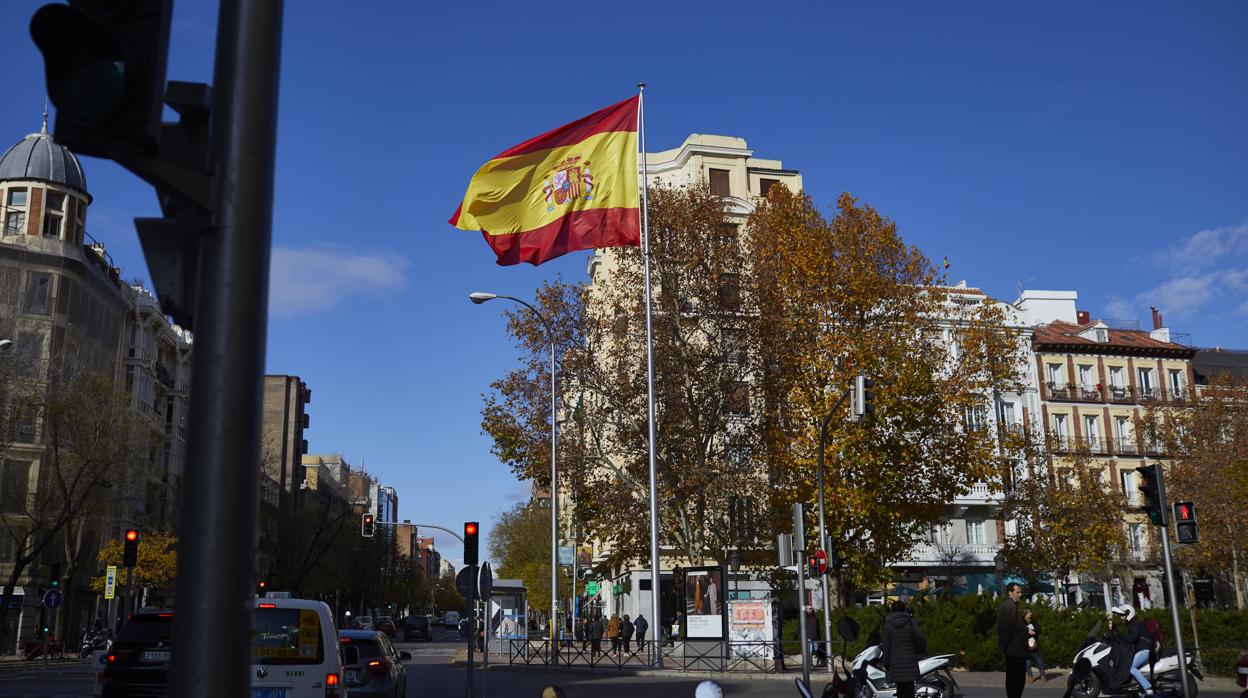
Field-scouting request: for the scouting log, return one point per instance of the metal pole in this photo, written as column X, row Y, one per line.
column 799, row 545
column 554, row 512
column 1174, row 599
column 220, row 496
column 129, row 592
column 472, row 630
column 575, row 553
column 655, row 585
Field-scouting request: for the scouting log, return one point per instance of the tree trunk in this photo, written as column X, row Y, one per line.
column 1236, row 578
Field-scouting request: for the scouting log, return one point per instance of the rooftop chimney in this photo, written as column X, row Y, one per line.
column 1082, row 317
column 1158, row 322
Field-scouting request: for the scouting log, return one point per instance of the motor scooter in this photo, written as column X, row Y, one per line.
column 870, row 681
column 1099, row 673
column 1241, row 673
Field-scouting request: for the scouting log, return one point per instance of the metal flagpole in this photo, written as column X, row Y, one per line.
column 655, row 586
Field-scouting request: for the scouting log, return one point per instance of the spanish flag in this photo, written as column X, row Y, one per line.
column 573, row 188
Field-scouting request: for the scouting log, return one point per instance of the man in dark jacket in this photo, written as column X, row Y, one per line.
column 595, row 636
column 641, row 626
column 1012, row 639
column 901, row 645
column 1134, row 644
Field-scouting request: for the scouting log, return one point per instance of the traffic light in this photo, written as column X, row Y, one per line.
column 1150, row 486
column 864, row 396
column 1185, row 529
column 130, row 554
column 470, row 542
column 367, row 528
column 261, row 587
column 105, row 67
column 812, row 566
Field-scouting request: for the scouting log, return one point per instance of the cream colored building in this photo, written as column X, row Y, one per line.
column 728, row 165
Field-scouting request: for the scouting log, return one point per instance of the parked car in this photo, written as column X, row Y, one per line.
column 363, row 622
column 295, row 651
column 374, row 669
column 386, row 625
column 451, row 619
column 138, row 661
column 418, row 628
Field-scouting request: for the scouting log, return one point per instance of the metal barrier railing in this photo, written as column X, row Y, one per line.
column 730, row 655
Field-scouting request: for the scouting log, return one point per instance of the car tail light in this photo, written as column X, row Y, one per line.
column 268, row 605
column 378, row 666
column 333, row 687
column 117, row 657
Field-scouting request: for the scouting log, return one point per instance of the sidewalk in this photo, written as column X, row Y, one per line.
column 978, row 679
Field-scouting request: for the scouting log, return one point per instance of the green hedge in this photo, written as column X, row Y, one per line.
column 966, row 626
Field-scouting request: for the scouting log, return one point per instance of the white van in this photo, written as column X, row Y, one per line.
column 294, row 651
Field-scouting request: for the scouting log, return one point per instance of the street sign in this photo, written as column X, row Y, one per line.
column 592, row 588
column 821, row 560
column 466, row 580
column 52, row 598
column 110, row 582
column 485, row 581
column 565, row 555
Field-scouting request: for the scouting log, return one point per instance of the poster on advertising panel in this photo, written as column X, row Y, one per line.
column 704, row 603
column 749, row 623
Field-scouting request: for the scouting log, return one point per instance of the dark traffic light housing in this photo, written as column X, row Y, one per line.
column 54, row 580
column 105, row 65
column 261, row 588
column 367, row 528
column 1185, row 528
column 863, row 397
column 1150, row 486
column 130, row 553
column 471, row 542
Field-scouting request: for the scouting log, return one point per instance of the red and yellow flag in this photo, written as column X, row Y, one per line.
column 573, row 188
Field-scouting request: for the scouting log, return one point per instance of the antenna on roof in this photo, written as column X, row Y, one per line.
column 1020, row 283
column 44, row 128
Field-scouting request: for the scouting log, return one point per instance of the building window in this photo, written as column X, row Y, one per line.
column 29, row 351
column 1092, row 431
column 976, row 418
column 730, row 291
column 975, row 531
column 1059, row 427
column 1135, row 540
column 1176, row 383
column 1130, row 489
column 52, row 225
column 1115, row 376
column 56, row 201
column 14, row 486
column 17, row 197
column 1145, row 376
column 1008, row 415
column 1085, row 376
column 15, row 223
column 737, row 398
column 1122, row 435
column 38, row 293
column 765, row 185
column 719, row 183
column 1055, row 375
column 942, row 534
column 1102, row 334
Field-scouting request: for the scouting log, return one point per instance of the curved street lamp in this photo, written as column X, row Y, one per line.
column 479, row 297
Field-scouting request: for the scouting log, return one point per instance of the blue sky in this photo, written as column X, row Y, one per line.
column 1096, row 147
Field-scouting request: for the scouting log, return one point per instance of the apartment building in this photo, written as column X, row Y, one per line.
column 1100, row 382
column 282, row 443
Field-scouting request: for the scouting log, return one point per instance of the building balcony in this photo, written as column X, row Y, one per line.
column 1059, row 391
column 1154, row 448
column 961, row 554
column 1147, row 395
column 1088, row 393
column 980, row 494
column 1121, row 395
column 1127, row 446
column 1179, row 395
column 1095, row 444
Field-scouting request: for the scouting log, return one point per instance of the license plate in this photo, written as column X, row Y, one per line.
column 155, row 656
column 351, row 676
column 268, row 693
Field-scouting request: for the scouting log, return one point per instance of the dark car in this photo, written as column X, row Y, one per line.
column 386, row 625
column 417, row 628
column 373, row 668
column 138, row 662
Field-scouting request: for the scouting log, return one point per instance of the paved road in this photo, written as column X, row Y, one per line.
column 430, row 673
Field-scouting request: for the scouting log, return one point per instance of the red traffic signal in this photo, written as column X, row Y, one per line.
column 130, row 549
column 132, row 535
column 470, row 543
column 1185, row 529
column 1184, row 511
column 367, row 528
column 470, row 528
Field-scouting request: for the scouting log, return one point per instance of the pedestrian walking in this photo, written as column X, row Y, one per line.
column 626, row 633
column 1033, row 645
column 613, row 633
column 1012, row 639
column 581, row 632
column 901, row 644
column 641, row 626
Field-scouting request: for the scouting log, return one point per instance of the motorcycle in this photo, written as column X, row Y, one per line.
column 870, row 681
column 1096, row 669
column 95, row 640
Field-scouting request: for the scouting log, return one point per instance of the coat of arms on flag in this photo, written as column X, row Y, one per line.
column 567, row 183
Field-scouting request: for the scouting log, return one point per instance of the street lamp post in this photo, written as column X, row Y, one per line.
column 479, row 297
column 998, row 561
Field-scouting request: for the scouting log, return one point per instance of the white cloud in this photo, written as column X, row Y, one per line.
column 1119, row 308
column 312, row 280
column 1205, row 249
